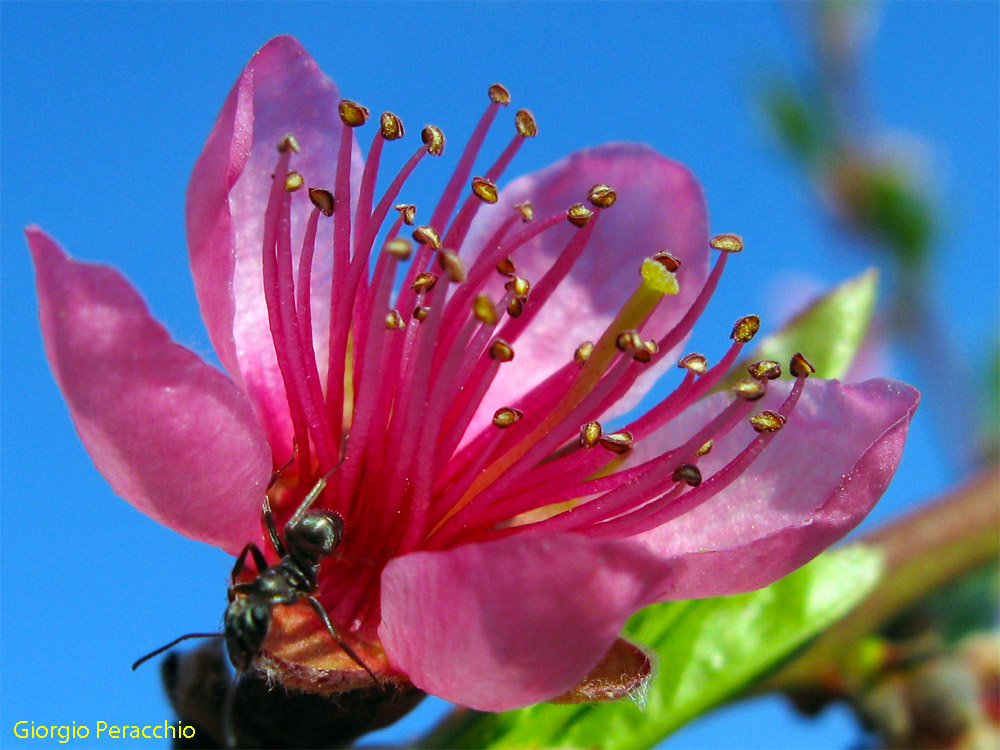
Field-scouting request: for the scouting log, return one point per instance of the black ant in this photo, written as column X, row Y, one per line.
column 309, row 537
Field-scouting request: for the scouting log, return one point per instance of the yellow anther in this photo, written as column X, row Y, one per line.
column 645, row 352
column 408, row 211
column 323, row 200
column 499, row 93
column 398, row 247
column 506, row 416
column 526, row 209
column 420, row 313
column 352, row 114
column 506, row 266
column 687, row 473
column 578, row 215
column 515, row 308
column 767, row 421
column 452, row 266
column 424, row 282
column 583, row 352
column 602, row 196
column 727, row 243
column 765, row 369
column 617, row 442
column 745, row 329
column 289, row 143
column 519, row 285
column 590, row 434
column 655, row 276
column 628, row 341
column 800, row 367
column 668, row 260
column 394, row 321
column 705, row 448
column 525, row 123
column 427, row 235
column 749, row 389
column 432, row 137
column 500, row 350
column 484, row 309
column 485, row 190
column 293, row 181
column 391, row 126
column 696, row 363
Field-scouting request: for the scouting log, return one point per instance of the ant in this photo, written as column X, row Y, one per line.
column 309, row 537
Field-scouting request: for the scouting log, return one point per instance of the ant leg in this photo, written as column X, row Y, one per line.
column 173, row 643
column 277, row 472
column 258, row 558
column 321, row 611
column 315, row 492
column 272, row 530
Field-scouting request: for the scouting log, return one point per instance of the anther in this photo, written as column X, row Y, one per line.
column 602, row 196
column 645, row 352
column 484, row 309
column 293, row 181
column 694, row 362
column 526, row 209
column 506, row 416
column 452, row 265
column 426, row 235
column 352, row 114
column 727, row 243
column 289, row 143
column 398, row 247
column 501, row 351
column 628, row 341
column 767, row 421
column 424, row 282
column 432, row 137
column 579, row 215
column 323, row 200
column 705, row 448
column 590, row 433
column 420, row 313
column 745, row 329
column 525, row 123
column 749, row 389
column 617, row 442
column 391, row 125
column 656, row 277
column 506, row 266
column 687, row 473
column 800, row 367
column 515, row 308
column 583, row 352
column 519, row 285
column 668, row 260
column 485, row 190
column 408, row 211
column 394, row 321
column 499, row 93
column 765, row 369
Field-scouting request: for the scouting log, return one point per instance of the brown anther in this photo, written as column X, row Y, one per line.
column 579, row 215
column 645, row 352
column 432, row 137
column 727, row 243
column 293, row 181
column 515, row 307
column 424, row 282
column 765, row 369
column 745, row 328
column 705, row 448
column 767, row 421
column 519, row 285
column 617, row 442
column 289, row 143
column 485, row 190
column 800, row 367
column 427, row 235
column 499, row 93
column 408, row 211
column 583, row 352
column 394, row 321
column 590, row 433
column 398, row 247
column 694, row 362
column 323, row 200
column 484, row 309
column 506, row 416
column 526, row 209
column 391, row 126
column 525, row 123
column 749, row 389
column 628, row 341
column 687, row 473
column 352, row 114
column 602, row 196
column 506, row 267
column 420, row 313
column 452, row 265
column 501, row 351
column 668, row 260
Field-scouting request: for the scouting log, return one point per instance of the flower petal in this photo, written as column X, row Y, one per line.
column 660, row 206
column 508, row 623
column 171, row 434
column 787, row 507
column 281, row 90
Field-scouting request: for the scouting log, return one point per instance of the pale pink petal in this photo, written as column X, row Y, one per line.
column 660, row 207
column 171, row 434
column 815, row 482
column 508, row 623
column 281, row 90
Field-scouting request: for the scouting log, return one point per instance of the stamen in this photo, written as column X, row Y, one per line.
column 764, row 369
column 727, row 243
column 590, row 434
column 506, row 416
column 695, row 363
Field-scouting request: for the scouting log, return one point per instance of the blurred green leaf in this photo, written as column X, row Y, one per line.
column 798, row 124
column 709, row 650
column 829, row 332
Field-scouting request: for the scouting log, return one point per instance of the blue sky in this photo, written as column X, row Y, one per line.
column 106, row 107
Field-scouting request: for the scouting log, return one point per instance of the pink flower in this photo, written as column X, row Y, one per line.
column 497, row 537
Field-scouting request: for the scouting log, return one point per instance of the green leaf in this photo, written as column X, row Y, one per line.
column 709, row 650
column 829, row 332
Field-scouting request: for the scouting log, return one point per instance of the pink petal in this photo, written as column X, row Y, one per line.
column 171, row 434
column 505, row 624
column 788, row 506
column 281, row 90
column 660, row 207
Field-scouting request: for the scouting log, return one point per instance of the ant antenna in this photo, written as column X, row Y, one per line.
column 173, row 643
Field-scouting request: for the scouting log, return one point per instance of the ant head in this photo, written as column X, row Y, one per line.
column 316, row 534
column 246, row 624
